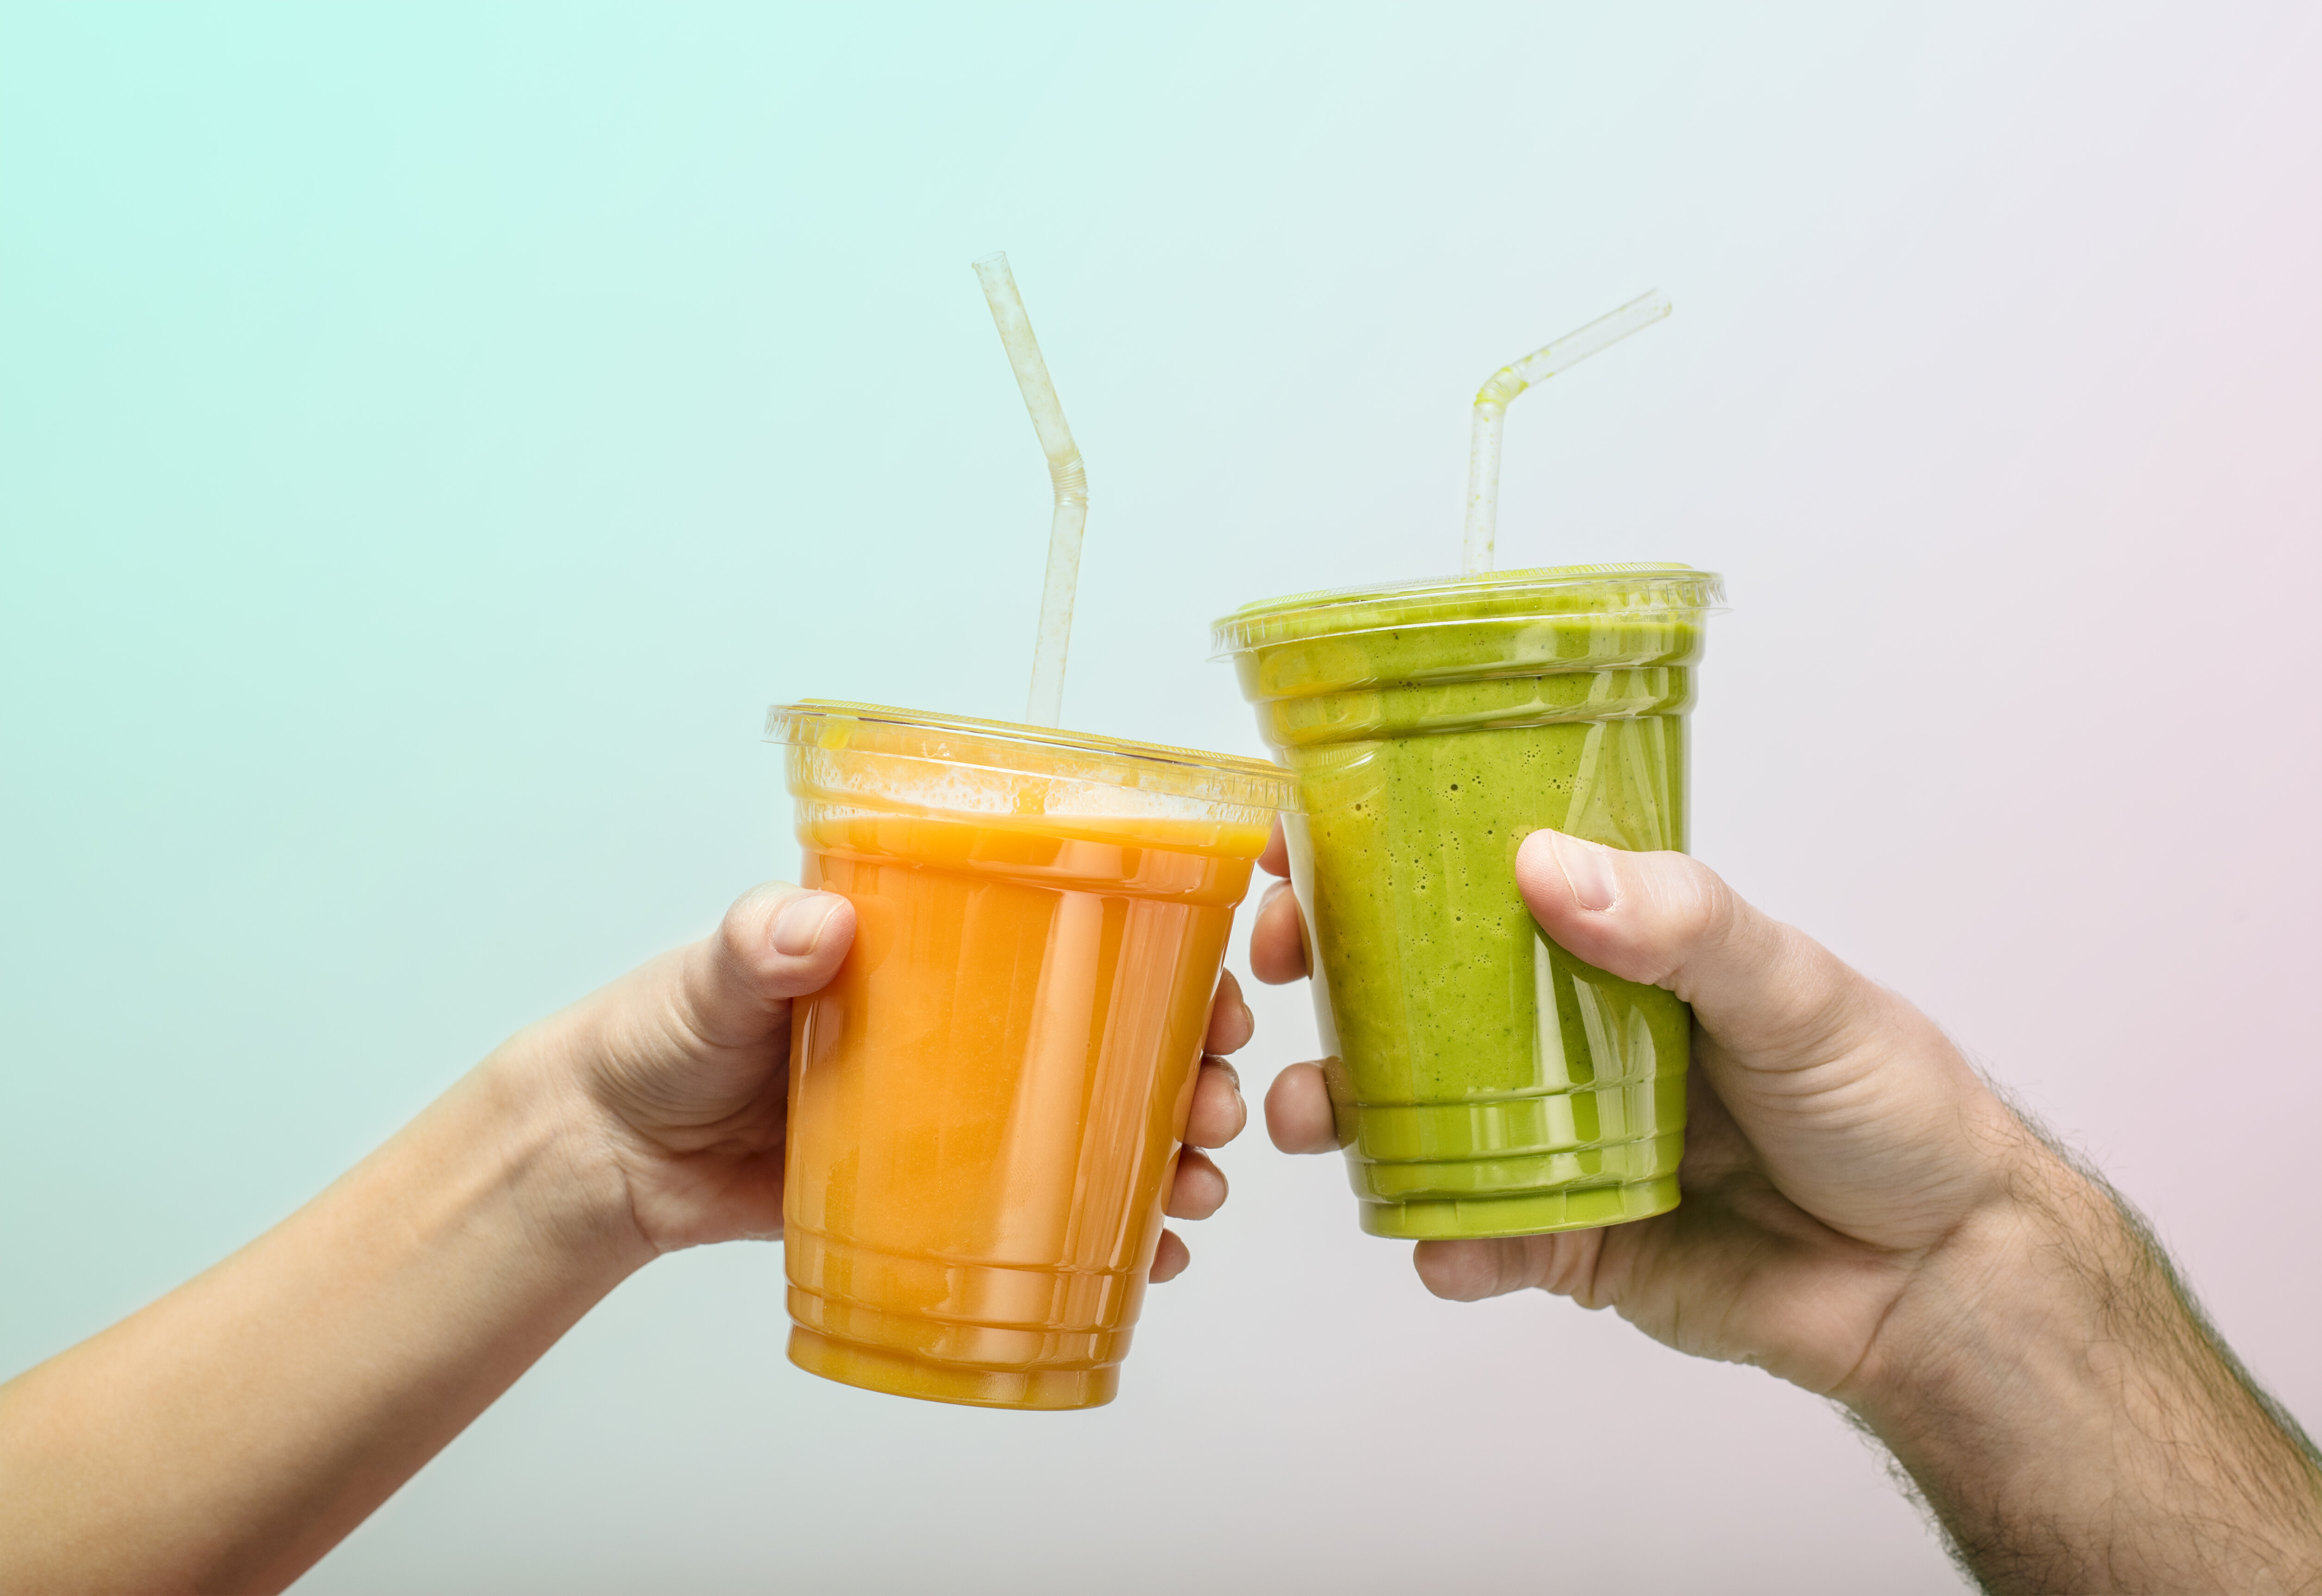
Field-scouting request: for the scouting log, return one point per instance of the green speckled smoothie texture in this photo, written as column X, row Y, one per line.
column 1487, row 1082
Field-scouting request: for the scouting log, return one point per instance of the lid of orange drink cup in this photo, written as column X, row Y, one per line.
column 1228, row 782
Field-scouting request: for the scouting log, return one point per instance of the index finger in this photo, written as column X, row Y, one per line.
column 1276, row 860
column 1231, row 1026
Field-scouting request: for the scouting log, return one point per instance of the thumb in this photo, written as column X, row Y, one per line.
column 777, row 942
column 1852, row 1102
column 1770, row 994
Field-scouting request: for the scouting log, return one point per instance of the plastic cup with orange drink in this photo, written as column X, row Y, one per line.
column 986, row 1103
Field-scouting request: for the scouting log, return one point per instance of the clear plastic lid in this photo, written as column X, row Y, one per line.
column 1225, row 780
column 1639, row 591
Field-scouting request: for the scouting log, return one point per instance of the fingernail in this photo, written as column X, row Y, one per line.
column 799, row 926
column 1587, row 870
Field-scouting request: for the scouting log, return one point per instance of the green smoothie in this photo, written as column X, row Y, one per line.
column 1487, row 1083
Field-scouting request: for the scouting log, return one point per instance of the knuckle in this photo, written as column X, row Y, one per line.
column 743, row 932
column 1705, row 907
column 1692, row 914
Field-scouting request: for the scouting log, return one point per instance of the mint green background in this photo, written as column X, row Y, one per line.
column 430, row 435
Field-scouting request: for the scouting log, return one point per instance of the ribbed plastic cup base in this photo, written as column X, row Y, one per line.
column 875, row 1368
column 1523, row 1213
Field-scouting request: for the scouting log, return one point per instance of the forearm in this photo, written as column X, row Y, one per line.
column 228, row 1435
column 2071, row 1418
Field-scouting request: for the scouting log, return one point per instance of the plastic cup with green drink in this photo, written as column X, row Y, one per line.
column 1486, row 1082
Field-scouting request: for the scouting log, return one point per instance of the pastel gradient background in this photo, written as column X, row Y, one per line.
column 430, row 436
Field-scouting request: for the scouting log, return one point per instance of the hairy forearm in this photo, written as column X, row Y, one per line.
column 229, row 1434
column 2071, row 1418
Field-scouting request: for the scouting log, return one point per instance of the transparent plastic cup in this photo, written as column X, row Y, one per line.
column 986, row 1103
column 1486, row 1083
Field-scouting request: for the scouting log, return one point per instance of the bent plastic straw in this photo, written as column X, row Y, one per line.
column 1066, row 475
column 1491, row 409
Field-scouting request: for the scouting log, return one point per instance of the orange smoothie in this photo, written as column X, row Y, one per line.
column 985, row 1104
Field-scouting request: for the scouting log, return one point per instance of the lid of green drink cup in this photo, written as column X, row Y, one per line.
column 1670, row 591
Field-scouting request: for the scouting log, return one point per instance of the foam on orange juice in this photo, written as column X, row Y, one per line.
column 985, row 1104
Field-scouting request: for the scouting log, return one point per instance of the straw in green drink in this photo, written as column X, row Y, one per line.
column 1491, row 408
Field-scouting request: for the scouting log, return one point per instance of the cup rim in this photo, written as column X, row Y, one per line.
column 1644, row 588
column 1046, row 751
